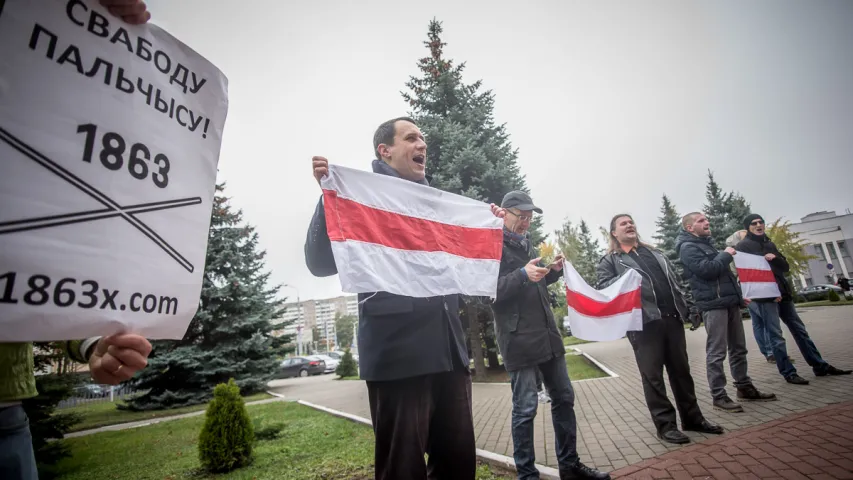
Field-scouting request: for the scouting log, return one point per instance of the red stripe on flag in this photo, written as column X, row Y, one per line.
column 349, row 220
column 623, row 303
column 755, row 275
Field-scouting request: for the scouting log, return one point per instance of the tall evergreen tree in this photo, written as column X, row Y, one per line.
column 467, row 153
column 669, row 224
column 231, row 334
column 725, row 211
column 590, row 254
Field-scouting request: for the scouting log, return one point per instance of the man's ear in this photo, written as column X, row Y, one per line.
column 384, row 152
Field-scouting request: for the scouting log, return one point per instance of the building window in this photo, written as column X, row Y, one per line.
column 831, row 249
column 809, row 282
column 843, row 247
column 819, row 252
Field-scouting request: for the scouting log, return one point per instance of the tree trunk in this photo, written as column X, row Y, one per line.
column 476, row 343
column 491, row 351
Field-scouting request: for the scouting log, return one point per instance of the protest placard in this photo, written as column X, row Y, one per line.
column 109, row 144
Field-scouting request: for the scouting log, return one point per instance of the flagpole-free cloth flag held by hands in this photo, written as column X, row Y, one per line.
column 756, row 278
column 603, row 315
column 404, row 238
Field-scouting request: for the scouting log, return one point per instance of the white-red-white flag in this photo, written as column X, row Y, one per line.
column 397, row 236
column 756, row 278
column 603, row 315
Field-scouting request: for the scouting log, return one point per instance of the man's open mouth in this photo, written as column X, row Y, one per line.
column 419, row 159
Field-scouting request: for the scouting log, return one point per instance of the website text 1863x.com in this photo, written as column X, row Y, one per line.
column 66, row 292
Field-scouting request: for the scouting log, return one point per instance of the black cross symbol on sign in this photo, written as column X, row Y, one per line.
column 113, row 209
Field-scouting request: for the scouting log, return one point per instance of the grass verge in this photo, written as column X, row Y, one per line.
column 354, row 377
column 312, row 446
column 578, row 366
column 569, row 341
column 102, row 414
column 825, row 303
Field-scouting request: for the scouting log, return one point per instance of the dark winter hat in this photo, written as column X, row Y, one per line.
column 520, row 200
column 749, row 219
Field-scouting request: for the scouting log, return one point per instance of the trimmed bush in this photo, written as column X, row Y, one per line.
column 833, row 296
column 225, row 442
column 347, row 367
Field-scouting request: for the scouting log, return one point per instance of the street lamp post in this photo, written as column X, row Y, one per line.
column 299, row 321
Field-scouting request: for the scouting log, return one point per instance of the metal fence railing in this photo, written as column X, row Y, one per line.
column 92, row 393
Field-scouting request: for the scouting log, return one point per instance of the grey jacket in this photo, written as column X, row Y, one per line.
column 613, row 265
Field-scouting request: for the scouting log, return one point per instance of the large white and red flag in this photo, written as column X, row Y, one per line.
column 396, row 236
column 603, row 315
column 756, row 278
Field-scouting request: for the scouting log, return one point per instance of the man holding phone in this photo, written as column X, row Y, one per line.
column 531, row 344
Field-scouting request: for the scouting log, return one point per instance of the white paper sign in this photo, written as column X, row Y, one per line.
column 109, row 142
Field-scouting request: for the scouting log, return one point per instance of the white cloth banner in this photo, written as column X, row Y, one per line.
column 397, row 236
column 607, row 314
column 756, row 277
column 109, row 142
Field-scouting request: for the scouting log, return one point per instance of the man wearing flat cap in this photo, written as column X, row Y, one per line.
column 530, row 344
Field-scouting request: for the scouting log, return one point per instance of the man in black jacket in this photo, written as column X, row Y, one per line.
column 666, row 306
column 768, row 311
column 413, row 352
column 530, row 343
column 717, row 295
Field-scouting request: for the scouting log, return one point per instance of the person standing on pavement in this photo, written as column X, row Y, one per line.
column 768, row 311
column 757, row 328
column 717, row 295
column 662, row 342
column 843, row 283
column 531, row 345
column 412, row 350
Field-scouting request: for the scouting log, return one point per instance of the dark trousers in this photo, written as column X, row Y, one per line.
column 661, row 344
column 524, row 404
column 429, row 414
column 17, row 461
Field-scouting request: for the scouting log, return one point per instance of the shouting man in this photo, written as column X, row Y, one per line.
column 768, row 311
column 717, row 295
column 662, row 343
column 413, row 352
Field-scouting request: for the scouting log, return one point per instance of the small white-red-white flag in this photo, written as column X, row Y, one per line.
column 603, row 315
column 756, row 277
column 397, row 236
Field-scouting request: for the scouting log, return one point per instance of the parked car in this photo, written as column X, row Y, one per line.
column 819, row 292
column 340, row 356
column 301, row 367
column 331, row 363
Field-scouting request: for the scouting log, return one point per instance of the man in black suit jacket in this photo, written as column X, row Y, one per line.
column 412, row 350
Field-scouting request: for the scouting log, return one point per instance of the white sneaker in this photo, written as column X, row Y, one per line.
column 543, row 397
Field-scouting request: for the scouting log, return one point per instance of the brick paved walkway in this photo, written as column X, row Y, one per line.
column 614, row 428
column 817, row 444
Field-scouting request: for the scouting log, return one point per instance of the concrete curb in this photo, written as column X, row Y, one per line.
column 598, row 364
column 491, row 458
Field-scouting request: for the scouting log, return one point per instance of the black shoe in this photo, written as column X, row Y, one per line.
column 705, row 427
column 797, row 380
column 674, row 436
column 580, row 471
column 830, row 370
column 751, row 394
column 771, row 359
column 727, row 405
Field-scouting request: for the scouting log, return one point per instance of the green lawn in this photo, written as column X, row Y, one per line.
column 568, row 341
column 578, row 366
column 355, row 377
column 101, row 414
column 825, row 303
column 312, row 445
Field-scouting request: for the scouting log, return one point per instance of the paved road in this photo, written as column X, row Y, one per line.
column 614, row 428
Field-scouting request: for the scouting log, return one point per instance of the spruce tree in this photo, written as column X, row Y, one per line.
column 467, row 154
column 231, row 334
column 725, row 212
column 589, row 256
column 669, row 225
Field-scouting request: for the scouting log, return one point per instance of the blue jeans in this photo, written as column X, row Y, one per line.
column 17, row 461
column 768, row 315
column 761, row 338
column 524, row 405
column 788, row 314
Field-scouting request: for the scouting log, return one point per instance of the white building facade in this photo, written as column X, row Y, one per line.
column 829, row 237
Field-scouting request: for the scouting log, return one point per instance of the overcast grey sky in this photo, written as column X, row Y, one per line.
column 610, row 104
